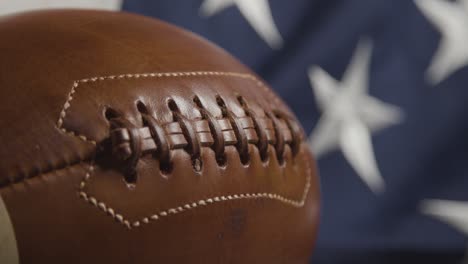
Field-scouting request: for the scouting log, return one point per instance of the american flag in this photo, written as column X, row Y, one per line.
column 381, row 87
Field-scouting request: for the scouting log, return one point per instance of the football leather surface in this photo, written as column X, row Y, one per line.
column 127, row 140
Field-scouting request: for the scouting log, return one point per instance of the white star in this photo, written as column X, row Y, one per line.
column 454, row 213
column 350, row 116
column 256, row 12
column 452, row 21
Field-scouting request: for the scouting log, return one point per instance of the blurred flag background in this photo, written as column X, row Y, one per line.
column 381, row 88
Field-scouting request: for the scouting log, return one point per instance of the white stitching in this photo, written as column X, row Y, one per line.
column 188, row 206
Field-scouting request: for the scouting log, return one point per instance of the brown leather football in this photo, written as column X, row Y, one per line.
column 127, row 140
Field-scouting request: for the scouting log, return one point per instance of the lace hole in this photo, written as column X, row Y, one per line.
column 142, row 107
column 241, row 101
column 197, row 164
column 197, row 101
column 130, row 178
column 110, row 113
column 265, row 156
column 245, row 160
column 221, row 160
column 281, row 160
column 172, row 105
column 220, row 102
column 166, row 167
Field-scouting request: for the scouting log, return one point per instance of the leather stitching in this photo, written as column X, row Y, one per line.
column 130, row 142
column 120, row 218
column 76, row 84
column 190, row 205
